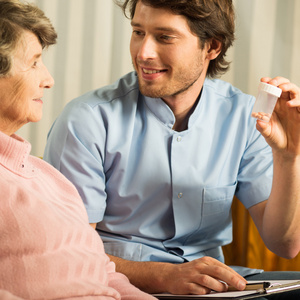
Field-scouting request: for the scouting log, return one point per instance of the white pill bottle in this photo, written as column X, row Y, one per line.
column 265, row 101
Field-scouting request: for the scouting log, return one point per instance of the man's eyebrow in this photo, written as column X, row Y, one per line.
column 135, row 24
column 159, row 28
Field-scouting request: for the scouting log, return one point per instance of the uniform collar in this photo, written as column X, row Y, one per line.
column 163, row 112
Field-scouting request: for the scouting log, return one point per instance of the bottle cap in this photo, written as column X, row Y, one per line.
column 270, row 89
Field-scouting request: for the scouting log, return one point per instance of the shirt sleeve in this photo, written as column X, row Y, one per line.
column 75, row 147
column 256, row 169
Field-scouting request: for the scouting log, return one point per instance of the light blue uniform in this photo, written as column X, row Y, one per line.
column 158, row 194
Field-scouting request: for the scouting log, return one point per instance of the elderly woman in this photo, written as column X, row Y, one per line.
column 47, row 248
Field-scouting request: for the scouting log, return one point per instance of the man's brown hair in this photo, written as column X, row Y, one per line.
column 208, row 19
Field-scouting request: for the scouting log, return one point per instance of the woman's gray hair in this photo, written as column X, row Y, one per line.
column 15, row 18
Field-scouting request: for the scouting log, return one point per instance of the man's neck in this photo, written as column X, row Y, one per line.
column 183, row 106
column 182, row 118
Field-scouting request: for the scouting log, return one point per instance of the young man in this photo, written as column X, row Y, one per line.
column 158, row 156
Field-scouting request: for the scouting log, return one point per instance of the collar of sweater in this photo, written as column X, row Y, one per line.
column 15, row 155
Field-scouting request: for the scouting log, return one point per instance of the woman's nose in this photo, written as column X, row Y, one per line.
column 48, row 80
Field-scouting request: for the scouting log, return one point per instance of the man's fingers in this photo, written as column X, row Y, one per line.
column 213, row 274
column 203, row 275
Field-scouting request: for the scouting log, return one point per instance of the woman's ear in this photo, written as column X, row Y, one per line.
column 214, row 49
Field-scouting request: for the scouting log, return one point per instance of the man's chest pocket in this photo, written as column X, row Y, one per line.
column 217, row 205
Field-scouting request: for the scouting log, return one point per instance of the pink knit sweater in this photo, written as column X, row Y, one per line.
column 47, row 248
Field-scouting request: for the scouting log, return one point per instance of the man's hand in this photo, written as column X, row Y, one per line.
column 196, row 277
column 283, row 131
column 201, row 276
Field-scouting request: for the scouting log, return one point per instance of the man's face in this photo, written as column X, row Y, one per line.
column 22, row 91
column 165, row 53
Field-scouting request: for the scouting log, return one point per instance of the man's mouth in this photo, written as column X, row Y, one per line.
column 148, row 71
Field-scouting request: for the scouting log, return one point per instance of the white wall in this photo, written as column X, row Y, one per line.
column 93, row 50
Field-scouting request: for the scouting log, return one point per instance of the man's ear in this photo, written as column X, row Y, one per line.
column 214, row 49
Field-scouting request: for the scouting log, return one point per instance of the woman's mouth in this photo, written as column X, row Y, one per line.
column 38, row 100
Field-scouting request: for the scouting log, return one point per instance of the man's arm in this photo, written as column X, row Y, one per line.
column 277, row 219
column 196, row 277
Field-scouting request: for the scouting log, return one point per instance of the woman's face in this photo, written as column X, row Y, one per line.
column 21, row 92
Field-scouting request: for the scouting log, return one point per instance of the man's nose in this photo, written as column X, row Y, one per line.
column 148, row 49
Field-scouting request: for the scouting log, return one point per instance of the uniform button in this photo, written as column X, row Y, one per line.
column 179, row 139
column 180, row 195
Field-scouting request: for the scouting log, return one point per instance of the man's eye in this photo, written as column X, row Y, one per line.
column 137, row 32
column 166, row 38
